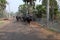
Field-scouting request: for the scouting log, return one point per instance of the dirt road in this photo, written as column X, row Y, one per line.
column 21, row 31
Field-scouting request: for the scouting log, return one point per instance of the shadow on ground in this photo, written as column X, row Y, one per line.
column 20, row 36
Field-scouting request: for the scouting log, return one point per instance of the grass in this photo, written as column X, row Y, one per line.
column 1, row 22
column 52, row 30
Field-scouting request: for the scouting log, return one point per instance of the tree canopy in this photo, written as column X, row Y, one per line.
column 53, row 7
column 2, row 6
column 29, row 1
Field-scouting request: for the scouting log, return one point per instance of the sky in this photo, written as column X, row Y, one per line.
column 13, row 5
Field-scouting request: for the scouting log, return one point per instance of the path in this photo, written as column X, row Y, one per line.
column 19, row 31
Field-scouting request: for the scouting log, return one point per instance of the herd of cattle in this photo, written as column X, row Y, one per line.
column 25, row 18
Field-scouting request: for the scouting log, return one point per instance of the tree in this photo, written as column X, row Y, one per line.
column 30, row 4
column 53, row 8
column 2, row 6
column 41, row 10
column 22, row 9
column 29, row 1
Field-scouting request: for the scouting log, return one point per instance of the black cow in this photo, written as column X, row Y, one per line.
column 27, row 19
column 18, row 18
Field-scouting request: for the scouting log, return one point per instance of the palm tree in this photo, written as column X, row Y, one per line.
column 29, row 1
column 30, row 5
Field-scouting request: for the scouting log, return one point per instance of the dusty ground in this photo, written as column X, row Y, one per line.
column 21, row 31
column 4, row 22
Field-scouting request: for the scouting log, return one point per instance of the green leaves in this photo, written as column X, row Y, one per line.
column 2, row 7
column 29, row 1
column 3, row 4
column 53, row 7
column 40, row 8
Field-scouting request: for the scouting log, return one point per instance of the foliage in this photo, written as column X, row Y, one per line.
column 22, row 9
column 2, row 6
column 26, row 8
column 29, row 1
column 41, row 10
column 53, row 7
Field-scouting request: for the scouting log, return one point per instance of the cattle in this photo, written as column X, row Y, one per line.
column 18, row 18
column 27, row 18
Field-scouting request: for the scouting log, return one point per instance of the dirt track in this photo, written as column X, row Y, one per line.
column 21, row 31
